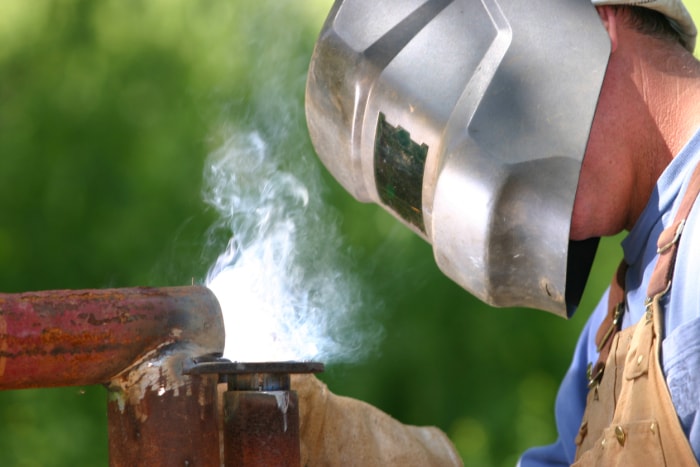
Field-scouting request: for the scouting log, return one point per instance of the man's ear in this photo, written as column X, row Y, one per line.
column 610, row 20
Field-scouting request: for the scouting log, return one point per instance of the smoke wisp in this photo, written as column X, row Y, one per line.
column 283, row 280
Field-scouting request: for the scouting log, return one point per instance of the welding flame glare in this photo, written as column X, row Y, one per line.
column 279, row 282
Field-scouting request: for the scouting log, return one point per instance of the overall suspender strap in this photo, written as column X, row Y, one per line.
column 611, row 324
column 660, row 281
column 667, row 245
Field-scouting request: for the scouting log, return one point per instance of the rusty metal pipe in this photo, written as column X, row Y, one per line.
column 174, row 421
column 260, row 411
column 135, row 340
column 83, row 337
column 261, row 428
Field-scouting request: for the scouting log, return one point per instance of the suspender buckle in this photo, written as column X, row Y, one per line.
column 594, row 374
column 679, row 231
column 614, row 326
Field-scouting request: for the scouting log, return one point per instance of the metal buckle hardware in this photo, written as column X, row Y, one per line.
column 617, row 314
column 679, row 231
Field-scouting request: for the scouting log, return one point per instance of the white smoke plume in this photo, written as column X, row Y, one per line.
column 283, row 281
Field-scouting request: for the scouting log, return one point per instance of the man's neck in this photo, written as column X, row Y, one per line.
column 671, row 88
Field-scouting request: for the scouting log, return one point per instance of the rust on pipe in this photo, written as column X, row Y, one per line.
column 135, row 340
column 261, row 428
column 83, row 337
column 178, row 426
column 260, row 411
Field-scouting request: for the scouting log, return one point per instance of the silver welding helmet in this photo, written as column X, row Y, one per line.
column 468, row 121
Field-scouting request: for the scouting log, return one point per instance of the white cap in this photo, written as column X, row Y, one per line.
column 674, row 10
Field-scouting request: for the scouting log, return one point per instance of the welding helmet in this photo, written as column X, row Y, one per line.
column 468, row 121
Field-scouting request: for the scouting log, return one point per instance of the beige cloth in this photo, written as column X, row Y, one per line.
column 340, row 431
column 630, row 419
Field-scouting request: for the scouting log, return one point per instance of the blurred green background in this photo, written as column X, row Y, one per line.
column 108, row 110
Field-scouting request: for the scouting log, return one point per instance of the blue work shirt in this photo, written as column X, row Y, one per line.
column 681, row 344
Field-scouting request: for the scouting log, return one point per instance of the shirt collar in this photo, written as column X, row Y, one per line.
column 660, row 207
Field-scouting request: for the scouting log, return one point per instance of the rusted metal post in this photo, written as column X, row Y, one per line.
column 260, row 411
column 137, row 341
column 177, row 425
column 261, row 426
column 157, row 415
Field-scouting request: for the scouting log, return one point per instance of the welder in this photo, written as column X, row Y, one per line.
column 512, row 135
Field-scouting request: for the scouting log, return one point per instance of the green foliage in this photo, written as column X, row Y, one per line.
column 108, row 110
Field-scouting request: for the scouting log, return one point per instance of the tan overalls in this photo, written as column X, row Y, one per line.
column 630, row 419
